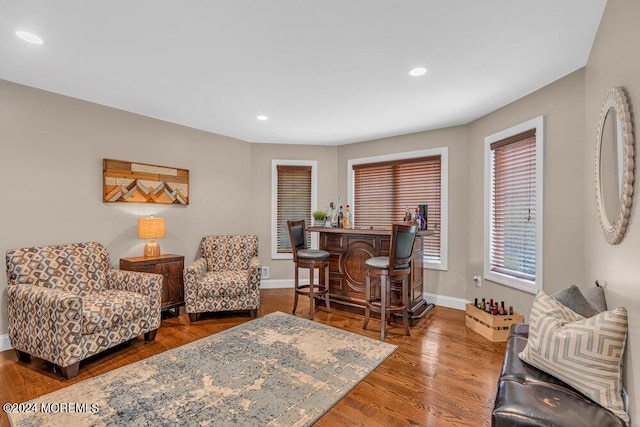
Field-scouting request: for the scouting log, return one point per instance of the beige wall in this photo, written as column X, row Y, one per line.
column 261, row 156
column 451, row 282
column 615, row 61
column 562, row 104
column 51, row 165
column 52, row 148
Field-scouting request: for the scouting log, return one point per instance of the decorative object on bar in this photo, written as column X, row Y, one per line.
column 424, row 211
column 151, row 228
column 130, row 182
column 319, row 218
column 333, row 210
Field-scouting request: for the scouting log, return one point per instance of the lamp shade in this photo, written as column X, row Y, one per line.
column 151, row 228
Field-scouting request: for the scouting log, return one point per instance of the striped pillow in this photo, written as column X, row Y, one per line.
column 584, row 353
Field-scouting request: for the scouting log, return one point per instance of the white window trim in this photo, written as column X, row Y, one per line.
column 504, row 279
column 274, row 201
column 443, row 152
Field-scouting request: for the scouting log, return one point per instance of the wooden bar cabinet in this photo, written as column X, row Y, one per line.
column 349, row 249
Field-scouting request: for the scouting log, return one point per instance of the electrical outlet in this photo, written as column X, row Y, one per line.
column 265, row 272
column 477, row 280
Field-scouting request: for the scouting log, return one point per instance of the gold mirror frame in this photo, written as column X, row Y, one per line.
column 616, row 100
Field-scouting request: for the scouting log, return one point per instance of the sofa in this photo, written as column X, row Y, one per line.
column 564, row 368
column 65, row 303
column 225, row 278
column 527, row 396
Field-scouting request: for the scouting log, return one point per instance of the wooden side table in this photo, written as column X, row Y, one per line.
column 171, row 267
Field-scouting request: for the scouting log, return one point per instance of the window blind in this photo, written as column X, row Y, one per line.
column 513, row 226
column 383, row 191
column 294, row 201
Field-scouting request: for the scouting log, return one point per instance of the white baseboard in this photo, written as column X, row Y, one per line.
column 445, row 301
column 5, row 343
column 278, row 283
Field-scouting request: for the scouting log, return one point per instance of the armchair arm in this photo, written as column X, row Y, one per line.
column 36, row 312
column 255, row 272
column 193, row 274
column 135, row 281
column 143, row 283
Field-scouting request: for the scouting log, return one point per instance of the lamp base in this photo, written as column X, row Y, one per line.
column 152, row 249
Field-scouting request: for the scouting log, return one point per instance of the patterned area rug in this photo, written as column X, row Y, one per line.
column 277, row 370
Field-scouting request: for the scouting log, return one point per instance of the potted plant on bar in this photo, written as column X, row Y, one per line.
column 318, row 218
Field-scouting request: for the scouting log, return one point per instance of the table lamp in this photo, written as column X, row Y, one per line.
column 151, row 228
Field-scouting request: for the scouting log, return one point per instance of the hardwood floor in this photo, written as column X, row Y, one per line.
column 442, row 375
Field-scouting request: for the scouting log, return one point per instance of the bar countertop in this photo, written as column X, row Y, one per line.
column 364, row 231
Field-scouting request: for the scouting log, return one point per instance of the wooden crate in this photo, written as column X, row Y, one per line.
column 494, row 328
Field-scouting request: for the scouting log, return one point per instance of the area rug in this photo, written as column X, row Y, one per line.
column 277, row 370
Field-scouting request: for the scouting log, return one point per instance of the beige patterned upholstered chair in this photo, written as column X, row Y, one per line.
column 226, row 278
column 66, row 304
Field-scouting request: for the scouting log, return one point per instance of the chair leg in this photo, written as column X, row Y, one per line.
column 326, row 287
column 253, row 313
column 389, row 303
column 367, row 299
column 295, row 291
column 70, row 371
column 405, row 303
column 23, row 357
column 311, row 298
column 151, row 335
column 383, row 305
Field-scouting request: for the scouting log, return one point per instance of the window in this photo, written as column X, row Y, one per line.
column 383, row 187
column 513, row 206
column 293, row 197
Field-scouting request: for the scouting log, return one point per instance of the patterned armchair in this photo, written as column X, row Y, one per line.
column 226, row 278
column 66, row 304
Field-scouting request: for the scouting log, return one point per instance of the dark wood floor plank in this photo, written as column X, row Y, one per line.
column 442, row 375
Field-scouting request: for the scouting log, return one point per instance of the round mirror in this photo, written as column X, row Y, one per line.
column 611, row 165
column 614, row 165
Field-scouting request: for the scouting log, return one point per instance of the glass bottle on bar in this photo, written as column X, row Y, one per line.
column 347, row 221
column 334, row 216
column 327, row 220
column 340, row 218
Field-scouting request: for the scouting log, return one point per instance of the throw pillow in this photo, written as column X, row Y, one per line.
column 595, row 296
column 584, row 353
column 572, row 297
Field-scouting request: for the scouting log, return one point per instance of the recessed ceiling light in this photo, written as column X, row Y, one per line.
column 418, row 71
column 262, row 117
column 29, row 37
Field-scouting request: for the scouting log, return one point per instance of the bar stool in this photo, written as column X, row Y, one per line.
column 311, row 259
column 390, row 268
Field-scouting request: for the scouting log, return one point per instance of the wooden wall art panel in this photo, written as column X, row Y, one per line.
column 129, row 182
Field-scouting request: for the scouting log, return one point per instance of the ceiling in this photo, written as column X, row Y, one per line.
column 325, row 72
